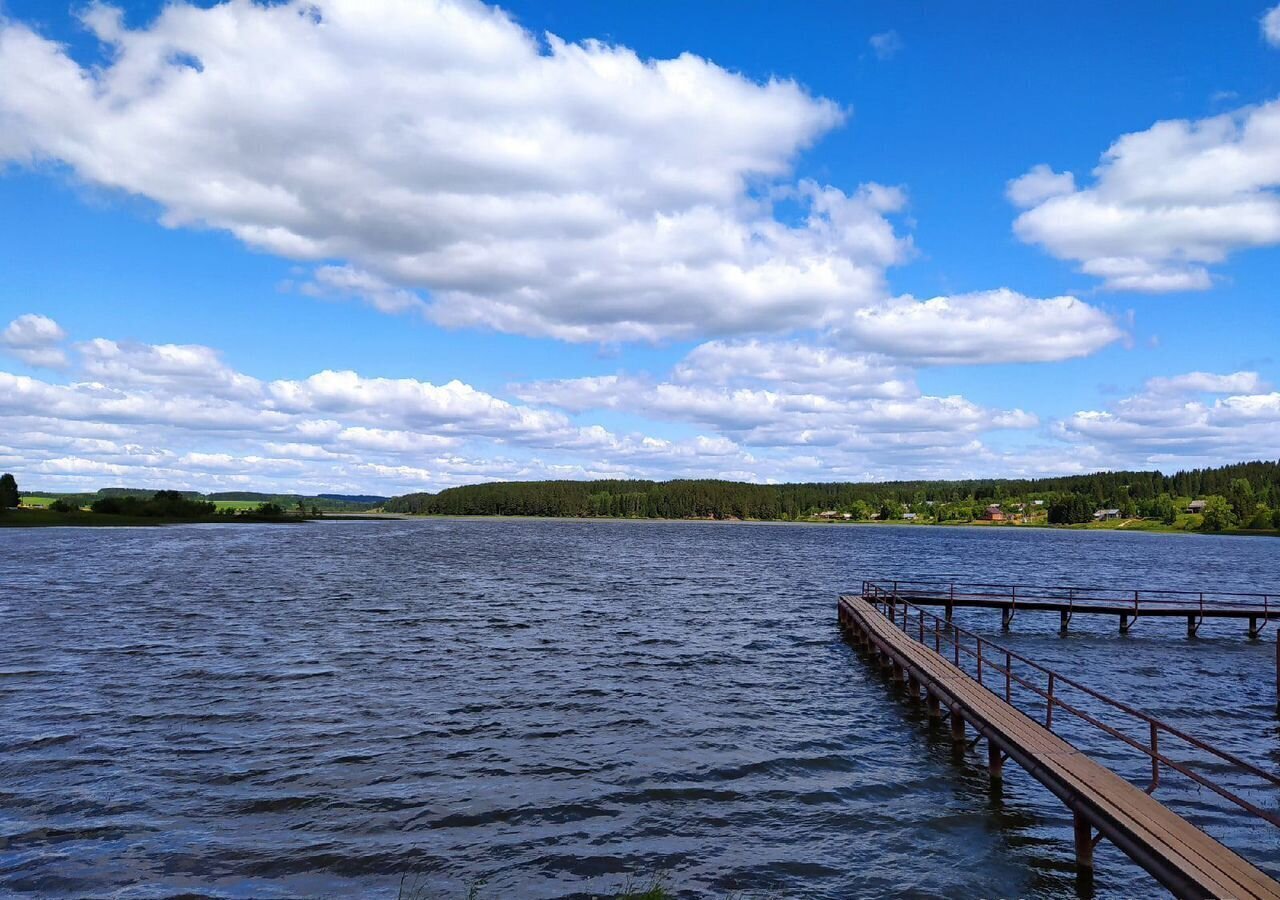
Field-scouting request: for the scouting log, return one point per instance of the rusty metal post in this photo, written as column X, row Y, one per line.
column 1084, row 841
column 1048, row 714
column 1155, row 758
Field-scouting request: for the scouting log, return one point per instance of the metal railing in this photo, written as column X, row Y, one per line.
column 970, row 651
column 1193, row 602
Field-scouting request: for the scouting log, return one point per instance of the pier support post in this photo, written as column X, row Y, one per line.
column 995, row 761
column 897, row 673
column 1192, row 626
column 950, row 614
column 913, row 688
column 1084, row 842
column 1124, row 623
column 1063, row 619
column 1253, row 627
column 1006, row 616
column 957, row 726
column 932, row 704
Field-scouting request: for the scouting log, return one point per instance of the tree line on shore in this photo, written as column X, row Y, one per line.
column 1244, row 495
column 144, row 505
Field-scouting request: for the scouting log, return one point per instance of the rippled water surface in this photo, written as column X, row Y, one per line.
column 551, row 706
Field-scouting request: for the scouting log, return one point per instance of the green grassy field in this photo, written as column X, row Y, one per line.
column 237, row 504
column 30, row 500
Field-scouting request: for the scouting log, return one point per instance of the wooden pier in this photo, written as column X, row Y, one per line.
column 913, row 645
column 1128, row 606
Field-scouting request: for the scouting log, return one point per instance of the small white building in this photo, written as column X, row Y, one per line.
column 1103, row 515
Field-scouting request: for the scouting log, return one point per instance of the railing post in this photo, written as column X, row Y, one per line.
column 980, row 663
column 1048, row 713
column 1008, row 677
column 1155, row 758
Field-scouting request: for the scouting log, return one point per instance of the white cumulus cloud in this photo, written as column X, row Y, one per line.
column 34, row 339
column 1271, row 26
column 1000, row 326
column 433, row 155
column 1165, row 204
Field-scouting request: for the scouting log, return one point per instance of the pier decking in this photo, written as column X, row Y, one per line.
column 1180, row 856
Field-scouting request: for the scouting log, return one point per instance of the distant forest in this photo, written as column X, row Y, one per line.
column 322, row 502
column 1251, row 489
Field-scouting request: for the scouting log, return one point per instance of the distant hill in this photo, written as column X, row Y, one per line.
column 371, row 499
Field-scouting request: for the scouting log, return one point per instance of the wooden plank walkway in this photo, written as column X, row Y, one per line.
column 1180, row 856
column 1127, row 606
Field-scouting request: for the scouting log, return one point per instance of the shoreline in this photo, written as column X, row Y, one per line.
column 40, row 518
column 43, row 518
column 1144, row 528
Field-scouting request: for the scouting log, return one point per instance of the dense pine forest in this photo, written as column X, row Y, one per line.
column 1241, row 495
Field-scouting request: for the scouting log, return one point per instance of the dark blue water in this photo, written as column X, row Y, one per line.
column 552, row 706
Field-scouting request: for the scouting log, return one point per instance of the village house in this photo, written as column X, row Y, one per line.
column 993, row 514
column 1195, row 506
column 1104, row 515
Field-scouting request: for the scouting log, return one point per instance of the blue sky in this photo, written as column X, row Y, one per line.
column 400, row 245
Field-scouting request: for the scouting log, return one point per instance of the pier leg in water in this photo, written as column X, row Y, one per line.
column 1006, row 616
column 995, row 762
column 1192, row 626
column 1084, row 842
column 1253, row 627
column 932, row 704
column 957, row 726
column 1124, row 624
column 950, row 614
column 1063, row 618
column 913, row 688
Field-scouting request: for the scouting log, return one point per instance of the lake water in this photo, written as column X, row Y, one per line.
column 552, row 706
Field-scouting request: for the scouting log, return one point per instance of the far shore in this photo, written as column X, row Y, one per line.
column 1134, row 526
column 46, row 518
column 43, row 518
